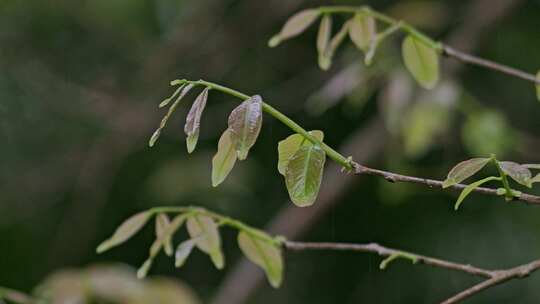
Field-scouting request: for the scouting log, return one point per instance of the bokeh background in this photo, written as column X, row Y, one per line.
column 79, row 86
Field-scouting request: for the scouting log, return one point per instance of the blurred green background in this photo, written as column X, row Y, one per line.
column 79, row 86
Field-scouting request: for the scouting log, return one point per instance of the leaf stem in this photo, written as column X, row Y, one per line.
column 333, row 154
column 509, row 195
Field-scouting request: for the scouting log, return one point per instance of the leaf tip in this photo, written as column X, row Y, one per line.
column 274, row 41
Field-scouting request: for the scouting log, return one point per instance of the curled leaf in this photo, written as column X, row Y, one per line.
column 125, row 231
column 193, row 120
column 470, row 188
column 183, row 251
column 303, row 175
column 323, row 39
column 223, row 161
column 288, row 147
column 162, row 223
column 517, row 172
column 296, row 24
column 264, row 254
column 205, row 231
column 245, row 124
column 464, row 170
column 422, row 62
column 362, row 31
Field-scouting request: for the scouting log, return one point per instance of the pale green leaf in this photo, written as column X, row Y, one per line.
column 165, row 236
column 205, row 231
column 536, row 179
column 166, row 101
column 288, row 147
column 323, row 39
column 162, row 223
column 362, row 31
column 223, row 161
column 183, row 251
column 266, row 255
column 304, row 174
column 464, row 170
column 193, row 120
column 467, row 190
column 296, row 24
column 245, row 123
column 326, row 60
column 125, row 231
column 143, row 270
column 517, row 172
column 154, row 138
column 422, row 62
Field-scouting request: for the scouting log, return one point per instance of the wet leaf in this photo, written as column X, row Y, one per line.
column 467, row 190
column 304, row 174
column 245, row 124
column 223, row 161
column 183, row 251
column 162, row 223
column 422, row 62
column 323, row 39
column 205, row 231
column 266, row 255
column 296, row 24
column 464, row 170
column 517, row 172
column 125, row 231
column 193, row 120
column 362, row 31
column 290, row 145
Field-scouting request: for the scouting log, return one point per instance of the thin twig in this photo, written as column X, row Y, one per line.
column 471, row 59
column 494, row 277
column 394, row 177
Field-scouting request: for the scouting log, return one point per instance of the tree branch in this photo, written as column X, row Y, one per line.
column 394, row 177
column 494, row 277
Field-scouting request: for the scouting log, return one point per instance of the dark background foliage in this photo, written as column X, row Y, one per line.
column 79, row 86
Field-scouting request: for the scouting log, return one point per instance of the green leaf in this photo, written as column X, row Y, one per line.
column 165, row 237
column 223, row 161
column 517, row 172
column 288, row 147
column 143, row 270
column 183, row 251
column 204, row 230
column 362, row 31
column 193, row 120
column 245, row 124
column 536, row 179
column 296, row 24
column 464, row 170
column 470, row 188
column 323, row 40
column 162, row 223
column 538, row 86
column 266, row 255
column 422, row 62
column 326, row 60
column 125, row 231
column 166, row 101
column 304, row 174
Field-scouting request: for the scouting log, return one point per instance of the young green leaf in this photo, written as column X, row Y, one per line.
column 245, row 124
column 166, row 101
column 323, row 39
column 470, row 188
column 266, row 255
column 165, row 237
column 206, row 234
column 464, row 170
column 326, row 60
column 536, row 179
column 304, row 174
column 125, row 231
column 193, row 120
column 223, row 161
column 297, row 24
column 162, row 223
column 362, row 31
column 422, row 62
column 143, row 270
column 288, row 147
column 517, row 172
column 182, row 252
